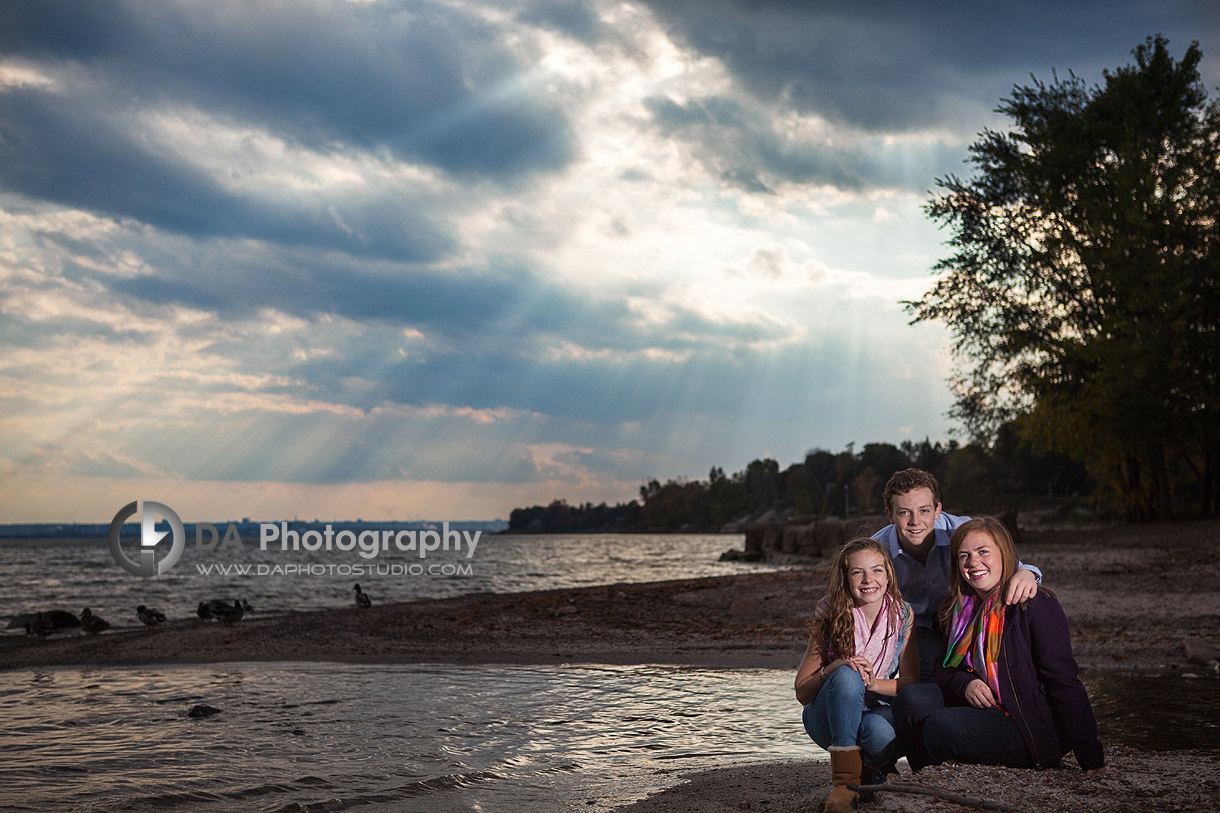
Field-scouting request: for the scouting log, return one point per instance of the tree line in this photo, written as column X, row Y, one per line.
column 973, row 477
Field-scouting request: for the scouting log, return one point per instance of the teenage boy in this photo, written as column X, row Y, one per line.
column 918, row 542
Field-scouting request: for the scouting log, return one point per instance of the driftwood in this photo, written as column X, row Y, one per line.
column 940, row 794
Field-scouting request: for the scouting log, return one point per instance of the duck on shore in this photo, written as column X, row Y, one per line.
column 226, row 613
column 203, row 612
column 150, row 616
column 362, row 599
column 59, row 619
column 92, row 624
column 40, row 626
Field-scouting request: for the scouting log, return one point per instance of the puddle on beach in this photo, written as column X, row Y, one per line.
column 1157, row 713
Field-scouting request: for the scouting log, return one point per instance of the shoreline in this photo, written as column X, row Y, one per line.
column 1123, row 590
column 682, row 622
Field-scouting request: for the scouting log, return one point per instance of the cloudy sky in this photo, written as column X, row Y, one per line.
column 407, row 260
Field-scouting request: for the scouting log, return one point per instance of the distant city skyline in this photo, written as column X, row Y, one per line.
column 408, row 260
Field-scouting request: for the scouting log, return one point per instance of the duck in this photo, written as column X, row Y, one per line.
column 203, row 612
column 245, row 605
column 149, row 616
column 92, row 624
column 60, row 619
column 40, row 626
column 362, row 599
column 226, row 613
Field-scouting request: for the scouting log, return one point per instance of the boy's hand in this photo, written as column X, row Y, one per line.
column 1021, row 587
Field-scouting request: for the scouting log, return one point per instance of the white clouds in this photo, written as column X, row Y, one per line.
column 17, row 75
column 506, row 253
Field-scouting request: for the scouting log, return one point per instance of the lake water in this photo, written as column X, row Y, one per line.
column 76, row 573
column 325, row 737
column 313, row 737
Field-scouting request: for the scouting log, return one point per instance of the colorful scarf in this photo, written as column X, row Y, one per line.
column 975, row 637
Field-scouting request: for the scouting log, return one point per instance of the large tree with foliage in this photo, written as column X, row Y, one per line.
column 1084, row 283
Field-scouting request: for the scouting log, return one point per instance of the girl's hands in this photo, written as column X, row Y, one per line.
column 979, row 695
column 862, row 667
column 859, row 664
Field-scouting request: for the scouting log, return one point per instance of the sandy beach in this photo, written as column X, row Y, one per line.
column 1135, row 596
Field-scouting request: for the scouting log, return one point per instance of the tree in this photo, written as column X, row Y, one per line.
column 867, row 488
column 1083, row 287
column 762, row 481
column 967, row 483
column 884, row 459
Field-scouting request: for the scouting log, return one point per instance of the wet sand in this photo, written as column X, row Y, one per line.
column 1133, row 595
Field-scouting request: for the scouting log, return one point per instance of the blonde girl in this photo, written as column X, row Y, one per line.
column 860, row 653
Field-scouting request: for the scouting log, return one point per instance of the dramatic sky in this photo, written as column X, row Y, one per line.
column 406, row 260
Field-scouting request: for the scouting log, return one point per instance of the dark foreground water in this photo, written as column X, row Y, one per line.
column 314, row 737
column 1157, row 712
column 327, row 737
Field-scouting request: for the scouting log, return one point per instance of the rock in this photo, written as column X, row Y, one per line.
column 202, row 710
column 1200, row 651
column 747, row 609
column 769, row 517
column 734, row 555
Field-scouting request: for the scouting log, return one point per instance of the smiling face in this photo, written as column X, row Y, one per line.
column 980, row 562
column 867, row 579
column 914, row 514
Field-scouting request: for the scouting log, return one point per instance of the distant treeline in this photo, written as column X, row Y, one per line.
column 824, row 483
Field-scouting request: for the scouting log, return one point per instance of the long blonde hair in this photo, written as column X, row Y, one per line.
column 958, row 589
column 838, row 631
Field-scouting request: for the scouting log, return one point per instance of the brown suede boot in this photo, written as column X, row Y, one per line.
column 844, row 770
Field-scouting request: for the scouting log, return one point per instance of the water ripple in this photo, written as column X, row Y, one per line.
column 337, row 736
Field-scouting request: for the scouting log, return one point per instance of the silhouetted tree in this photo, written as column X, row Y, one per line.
column 1084, row 287
column 762, row 481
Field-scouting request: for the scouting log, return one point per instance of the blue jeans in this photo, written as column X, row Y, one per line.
column 837, row 719
column 930, row 733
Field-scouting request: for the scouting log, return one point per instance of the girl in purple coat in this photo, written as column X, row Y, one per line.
column 1007, row 689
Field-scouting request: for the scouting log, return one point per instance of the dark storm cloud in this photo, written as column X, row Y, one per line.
column 427, row 84
column 575, row 18
column 432, row 86
column 891, row 66
column 53, row 152
column 489, row 375
column 454, row 303
column 746, row 151
column 509, row 307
